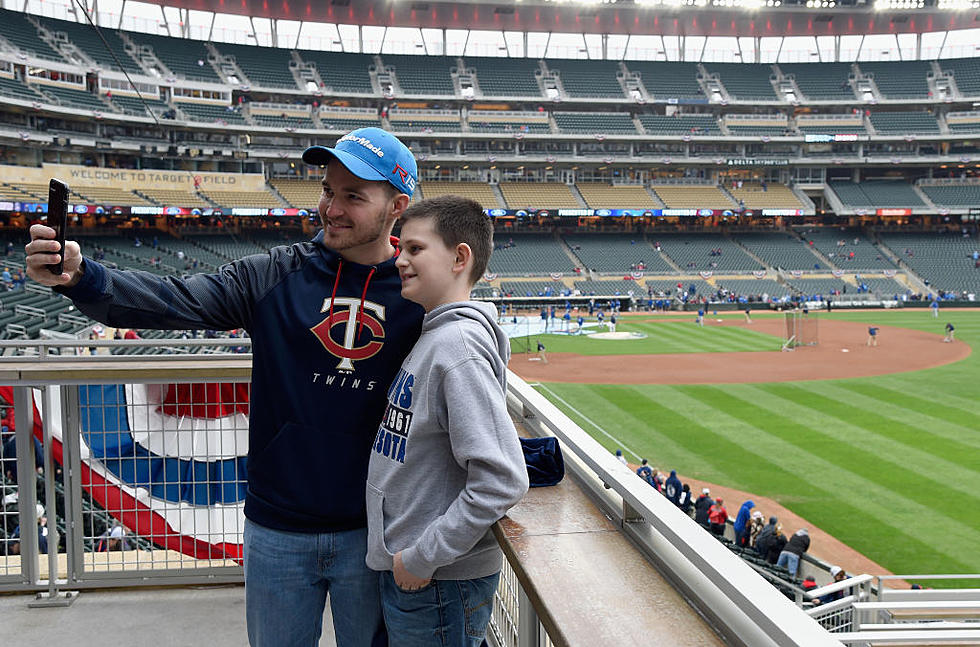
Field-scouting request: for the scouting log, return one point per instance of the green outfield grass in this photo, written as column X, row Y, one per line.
column 670, row 334
column 889, row 465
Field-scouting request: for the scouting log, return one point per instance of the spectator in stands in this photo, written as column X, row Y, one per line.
column 702, row 507
column 112, row 539
column 839, row 575
column 620, row 457
column 131, row 334
column 756, row 523
column 790, row 557
column 765, row 536
column 305, row 490
column 6, row 278
column 776, row 545
column 741, row 525
column 672, row 488
column 644, row 471
column 14, row 547
column 718, row 516
column 684, row 502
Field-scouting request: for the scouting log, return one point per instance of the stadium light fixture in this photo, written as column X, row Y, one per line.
column 896, row 5
column 958, row 5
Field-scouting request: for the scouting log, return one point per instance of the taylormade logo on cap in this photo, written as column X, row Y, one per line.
column 363, row 141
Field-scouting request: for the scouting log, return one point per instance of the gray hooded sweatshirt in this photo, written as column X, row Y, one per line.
column 446, row 462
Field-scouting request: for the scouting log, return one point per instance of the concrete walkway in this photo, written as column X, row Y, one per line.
column 178, row 617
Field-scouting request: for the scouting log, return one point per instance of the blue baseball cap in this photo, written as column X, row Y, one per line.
column 371, row 154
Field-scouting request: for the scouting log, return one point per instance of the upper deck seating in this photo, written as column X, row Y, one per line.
column 745, row 81
column 901, row 123
column 944, row 259
column 20, row 90
column 211, row 113
column 478, row 191
column 776, row 196
column 665, row 81
column 184, row 57
column 265, row 67
column 620, row 253
column 428, row 75
column 421, row 122
column 966, row 74
column 109, row 196
column 137, row 106
column 876, row 193
column 242, row 198
column 174, row 197
column 529, row 254
column 23, row 35
column 587, row 78
column 72, row 98
column 679, row 124
column 614, row 123
column 953, row 195
column 342, row 73
column 772, row 126
column 490, row 121
column 279, row 121
column 600, row 195
column 506, row 77
column 538, row 195
column 780, row 250
column 300, row 194
column 693, row 253
column 837, row 246
column 900, row 80
column 821, row 81
column 687, row 196
column 87, row 40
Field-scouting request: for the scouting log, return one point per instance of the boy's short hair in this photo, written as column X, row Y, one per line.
column 458, row 220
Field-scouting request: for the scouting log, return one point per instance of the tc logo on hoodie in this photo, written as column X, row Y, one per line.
column 393, row 432
column 353, row 319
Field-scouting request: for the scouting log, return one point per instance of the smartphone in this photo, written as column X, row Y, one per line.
column 58, row 218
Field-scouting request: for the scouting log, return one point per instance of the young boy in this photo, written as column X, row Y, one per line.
column 447, row 462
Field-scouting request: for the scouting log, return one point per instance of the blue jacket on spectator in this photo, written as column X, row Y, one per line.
column 743, row 516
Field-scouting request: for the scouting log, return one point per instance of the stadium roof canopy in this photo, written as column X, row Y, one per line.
column 750, row 18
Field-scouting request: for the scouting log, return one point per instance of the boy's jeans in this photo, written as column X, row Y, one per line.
column 287, row 576
column 446, row 613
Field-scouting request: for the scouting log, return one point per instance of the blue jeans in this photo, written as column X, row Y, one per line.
column 287, row 577
column 446, row 613
column 791, row 561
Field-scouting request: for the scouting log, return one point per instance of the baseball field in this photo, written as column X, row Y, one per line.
column 877, row 446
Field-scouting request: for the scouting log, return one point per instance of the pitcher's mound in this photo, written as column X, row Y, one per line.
column 617, row 335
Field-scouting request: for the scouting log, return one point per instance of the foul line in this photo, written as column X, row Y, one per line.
column 588, row 420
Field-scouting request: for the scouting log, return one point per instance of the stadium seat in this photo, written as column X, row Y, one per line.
column 666, row 81
column 506, row 77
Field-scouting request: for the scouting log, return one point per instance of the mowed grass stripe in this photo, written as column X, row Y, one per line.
column 892, row 409
column 616, row 417
column 895, row 443
column 849, row 454
column 768, row 433
column 939, row 409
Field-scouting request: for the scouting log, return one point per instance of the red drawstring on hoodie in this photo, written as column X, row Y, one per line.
column 333, row 294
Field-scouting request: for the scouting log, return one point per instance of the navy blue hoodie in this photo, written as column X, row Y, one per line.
column 317, row 398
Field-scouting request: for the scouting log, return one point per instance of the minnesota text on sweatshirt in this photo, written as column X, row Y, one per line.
column 446, row 463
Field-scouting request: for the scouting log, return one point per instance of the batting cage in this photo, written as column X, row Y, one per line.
column 801, row 328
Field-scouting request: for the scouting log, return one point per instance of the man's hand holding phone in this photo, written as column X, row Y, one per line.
column 50, row 260
column 44, row 250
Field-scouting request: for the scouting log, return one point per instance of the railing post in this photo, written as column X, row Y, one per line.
column 527, row 621
column 26, row 483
